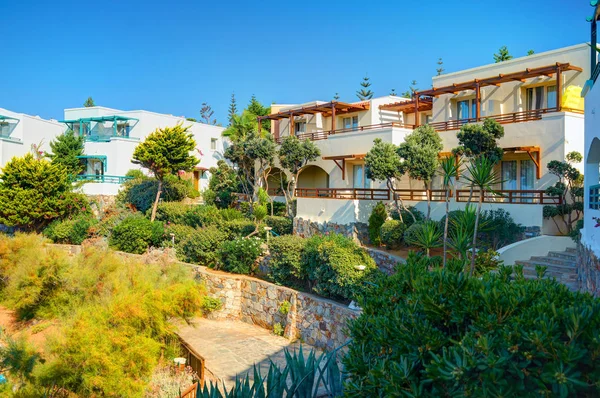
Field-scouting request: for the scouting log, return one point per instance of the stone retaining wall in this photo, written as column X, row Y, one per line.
column 588, row 270
column 385, row 261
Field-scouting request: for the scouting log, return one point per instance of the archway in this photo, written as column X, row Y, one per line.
column 313, row 177
column 274, row 180
column 592, row 163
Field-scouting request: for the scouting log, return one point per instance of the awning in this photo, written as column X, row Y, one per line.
column 112, row 118
column 425, row 104
column 530, row 150
column 3, row 117
column 323, row 108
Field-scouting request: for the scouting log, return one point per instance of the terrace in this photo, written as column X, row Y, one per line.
column 102, row 128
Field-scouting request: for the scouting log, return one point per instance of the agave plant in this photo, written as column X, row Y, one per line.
column 450, row 169
column 301, row 377
column 481, row 175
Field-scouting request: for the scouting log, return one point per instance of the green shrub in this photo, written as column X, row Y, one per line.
column 278, row 329
column 172, row 212
column 278, row 209
column 180, row 233
column 135, row 234
column 240, row 254
column 202, row 216
column 331, row 263
column 410, row 234
column 110, row 219
column 239, row 228
column 223, row 182
column 231, row 214
column 202, row 246
column 442, row 333
column 425, row 235
column 259, row 212
column 408, row 220
column 141, row 192
column 210, row 304
column 392, row 233
column 280, row 225
column 502, row 231
column 72, row 231
column 285, row 265
column 575, row 234
column 135, row 173
column 487, row 261
column 376, row 220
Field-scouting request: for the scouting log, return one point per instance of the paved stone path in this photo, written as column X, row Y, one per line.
column 231, row 348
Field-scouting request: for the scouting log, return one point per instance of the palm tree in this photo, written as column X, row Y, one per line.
column 426, row 236
column 450, row 169
column 481, row 175
column 241, row 126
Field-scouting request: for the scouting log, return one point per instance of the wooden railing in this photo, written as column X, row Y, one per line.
column 344, row 193
column 595, row 197
column 195, row 361
column 510, row 196
column 435, row 195
column 190, row 392
column 515, row 117
column 275, row 191
column 323, row 135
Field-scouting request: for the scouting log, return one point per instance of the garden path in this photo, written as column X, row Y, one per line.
column 231, row 348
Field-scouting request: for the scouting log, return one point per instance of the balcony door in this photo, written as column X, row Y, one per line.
column 360, row 179
column 350, row 122
column 466, row 109
column 541, row 97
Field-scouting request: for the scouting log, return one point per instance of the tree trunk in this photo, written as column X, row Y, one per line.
column 390, row 186
column 446, row 227
column 427, row 192
column 155, row 206
column 474, row 245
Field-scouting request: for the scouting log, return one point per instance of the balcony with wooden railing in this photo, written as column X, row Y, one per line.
column 323, row 135
column 435, row 195
column 510, row 196
column 344, row 193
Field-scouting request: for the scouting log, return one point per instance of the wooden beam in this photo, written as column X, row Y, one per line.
column 417, row 121
column 477, row 102
column 292, row 127
column 342, row 167
column 333, row 117
column 558, row 88
column 538, row 170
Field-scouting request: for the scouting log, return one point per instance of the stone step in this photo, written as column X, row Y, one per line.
column 571, row 284
column 553, row 260
column 571, row 250
column 563, row 255
column 558, row 276
column 550, row 266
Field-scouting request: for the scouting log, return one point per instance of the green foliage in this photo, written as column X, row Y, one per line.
column 255, row 108
column 332, row 266
column 231, row 214
column 135, row 173
column 285, row 265
column 279, row 209
column 232, row 110
column 420, row 153
column 426, row 235
column 365, row 92
column 411, row 90
column 408, row 214
column 503, row 230
column 140, row 193
column 285, row 307
column 382, row 162
column 240, row 254
column 65, row 151
column 480, row 140
column 504, row 55
column 222, row 184
column 210, row 304
column 177, row 233
column 201, row 247
column 259, row 212
column 89, row 102
column 467, row 336
column 34, row 192
column 278, row 329
column 576, row 232
column 206, row 114
column 239, row 228
column 392, row 233
column 280, row 225
column 376, row 220
column 135, row 234
column 111, row 217
column 72, row 231
column 487, row 261
column 17, row 358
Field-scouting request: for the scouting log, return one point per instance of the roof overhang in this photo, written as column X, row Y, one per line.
column 521, row 76
column 113, row 118
column 324, row 108
column 6, row 118
column 425, row 104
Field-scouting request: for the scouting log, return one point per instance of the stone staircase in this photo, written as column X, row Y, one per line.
column 559, row 265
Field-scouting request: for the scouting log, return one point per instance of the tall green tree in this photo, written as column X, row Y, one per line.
column 530, row 52
column 89, row 102
column 65, row 150
column 477, row 140
column 257, row 109
column 232, row 109
column 206, row 114
column 411, row 90
column 420, row 151
column 166, row 151
column 383, row 163
column 365, row 93
column 241, row 126
column 294, row 155
column 35, row 192
column 223, row 183
column 502, row 55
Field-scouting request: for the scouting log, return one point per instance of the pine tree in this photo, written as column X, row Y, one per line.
column 232, row 108
column 440, row 69
column 206, row 114
column 393, row 92
column 89, row 102
column 411, row 90
column 365, row 92
column 503, row 55
column 257, row 109
column 530, row 52
column 336, row 97
column 65, row 151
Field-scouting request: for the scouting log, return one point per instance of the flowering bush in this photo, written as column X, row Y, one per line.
column 240, row 254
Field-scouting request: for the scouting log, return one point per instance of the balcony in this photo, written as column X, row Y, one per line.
column 103, row 178
column 343, row 193
column 323, row 135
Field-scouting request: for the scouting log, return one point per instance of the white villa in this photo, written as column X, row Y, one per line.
column 111, row 136
column 536, row 98
column 19, row 132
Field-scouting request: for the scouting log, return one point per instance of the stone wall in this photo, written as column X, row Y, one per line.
column 385, row 261
column 307, row 228
column 588, row 270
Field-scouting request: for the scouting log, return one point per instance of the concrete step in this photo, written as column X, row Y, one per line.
column 571, row 250
column 571, row 284
column 549, row 266
column 552, row 260
column 571, row 257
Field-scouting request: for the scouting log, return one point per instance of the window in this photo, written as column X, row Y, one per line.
column 360, row 180
column 350, row 122
column 300, row 127
column 466, row 109
column 213, row 144
column 524, row 169
column 509, row 174
column 541, row 97
column 551, row 97
column 425, row 119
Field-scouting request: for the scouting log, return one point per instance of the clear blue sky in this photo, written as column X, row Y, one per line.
column 170, row 56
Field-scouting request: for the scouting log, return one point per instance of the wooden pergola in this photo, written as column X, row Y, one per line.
column 425, row 96
column 530, row 150
column 328, row 109
column 340, row 161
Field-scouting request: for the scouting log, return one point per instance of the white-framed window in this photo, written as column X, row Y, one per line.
column 466, row 109
column 299, row 127
column 350, row 122
column 213, row 144
column 540, row 97
column 359, row 178
column 518, row 174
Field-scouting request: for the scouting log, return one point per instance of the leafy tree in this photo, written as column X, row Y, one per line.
column 294, row 155
column 450, row 169
column 440, row 69
column 241, row 126
column 569, row 188
column 365, row 92
column 336, row 97
column 34, row 192
column 166, row 151
column 502, row 55
column 420, row 153
column 481, row 175
column 191, row 119
column 65, row 150
column 257, row 109
column 89, row 102
column 223, row 183
column 530, row 52
column 376, row 220
column 232, row 109
column 411, row 90
column 206, row 114
column 383, row 163
column 476, row 140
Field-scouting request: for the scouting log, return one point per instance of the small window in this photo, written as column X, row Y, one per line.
column 540, row 97
column 350, row 122
column 213, row 144
column 466, row 109
column 551, row 97
column 300, row 127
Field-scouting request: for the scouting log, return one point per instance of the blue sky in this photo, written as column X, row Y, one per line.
column 170, row 56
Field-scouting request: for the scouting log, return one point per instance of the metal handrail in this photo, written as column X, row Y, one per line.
column 103, row 178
